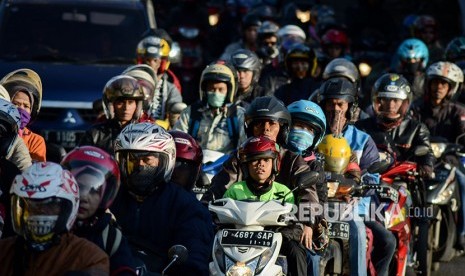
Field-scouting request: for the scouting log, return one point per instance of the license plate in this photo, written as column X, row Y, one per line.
column 247, row 238
column 339, row 230
column 66, row 138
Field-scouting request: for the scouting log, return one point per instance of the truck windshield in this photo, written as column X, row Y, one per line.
column 71, row 34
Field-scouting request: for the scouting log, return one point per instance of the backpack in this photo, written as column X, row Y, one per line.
column 231, row 120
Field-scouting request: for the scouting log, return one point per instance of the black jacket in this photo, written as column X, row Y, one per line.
column 402, row 140
column 102, row 135
column 446, row 120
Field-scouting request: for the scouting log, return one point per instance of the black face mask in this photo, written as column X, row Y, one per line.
column 145, row 180
column 412, row 68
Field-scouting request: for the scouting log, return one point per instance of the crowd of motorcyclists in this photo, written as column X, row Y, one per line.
column 284, row 100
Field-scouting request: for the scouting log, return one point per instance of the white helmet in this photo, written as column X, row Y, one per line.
column 447, row 71
column 10, row 121
column 45, row 202
column 291, row 31
column 4, row 93
column 144, row 139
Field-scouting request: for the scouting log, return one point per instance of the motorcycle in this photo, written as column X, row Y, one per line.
column 336, row 259
column 442, row 193
column 412, row 231
column 177, row 255
column 243, row 245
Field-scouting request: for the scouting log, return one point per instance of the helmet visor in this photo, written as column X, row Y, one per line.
column 90, row 180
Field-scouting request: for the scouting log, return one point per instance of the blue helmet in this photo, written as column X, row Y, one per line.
column 312, row 114
column 413, row 48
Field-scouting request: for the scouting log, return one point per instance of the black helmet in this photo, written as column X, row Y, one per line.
column 268, row 107
column 267, row 28
column 302, row 51
column 455, row 50
column 250, row 20
column 243, row 59
column 338, row 88
column 392, row 86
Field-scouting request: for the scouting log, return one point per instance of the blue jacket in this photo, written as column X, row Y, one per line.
column 367, row 153
column 169, row 216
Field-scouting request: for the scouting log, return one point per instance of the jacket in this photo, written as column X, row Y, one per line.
column 19, row 154
column 121, row 261
column 246, row 98
column 241, row 191
column 401, row 140
column 293, row 171
column 8, row 171
column 35, row 143
column 102, row 135
column 70, row 254
column 446, row 120
column 213, row 131
column 168, row 216
column 297, row 89
column 165, row 95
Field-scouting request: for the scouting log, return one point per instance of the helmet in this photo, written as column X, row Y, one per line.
column 255, row 148
column 154, row 47
column 339, row 88
column 302, row 51
column 28, row 81
column 267, row 28
column 219, row 73
column 98, row 163
column 311, row 114
column 455, row 50
column 45, row 202
column 268, row 107
column 424, row 21
column 4, row 93
column 122, row 87
column 144, row 139
column 243, row 59
column 250, row 20
column 147, row 79
column 413, row 48
column 335, row 36
column 336, row 152
column 447, row 71
column 291, row 31
column 341, row 67
column 10, row 121
column 187, row 150
column 391, row 86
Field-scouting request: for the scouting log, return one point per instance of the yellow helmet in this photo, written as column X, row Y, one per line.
column 336, row 151
column 154, row 47
column 219, row 73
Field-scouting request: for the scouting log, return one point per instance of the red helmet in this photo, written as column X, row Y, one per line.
column 260, row 147
column 187, row 148
column 335, row 36
column 98, row 163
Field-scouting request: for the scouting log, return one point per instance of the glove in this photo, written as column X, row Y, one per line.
column 426, row 171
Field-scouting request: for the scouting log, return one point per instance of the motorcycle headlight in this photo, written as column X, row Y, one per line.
column 265, row 258
column 219, row 256
column 444, row 195
column 332, row 188
column 303, row 16
column 364, row 68
column 438, row 149
column 239, row 269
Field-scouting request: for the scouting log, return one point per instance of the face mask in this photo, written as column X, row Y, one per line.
column 300, row 140
column 25, row 118
column 144, row 180
column 215, row 99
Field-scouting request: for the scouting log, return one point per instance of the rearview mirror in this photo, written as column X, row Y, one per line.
column 421, row 151
column 310, row 179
